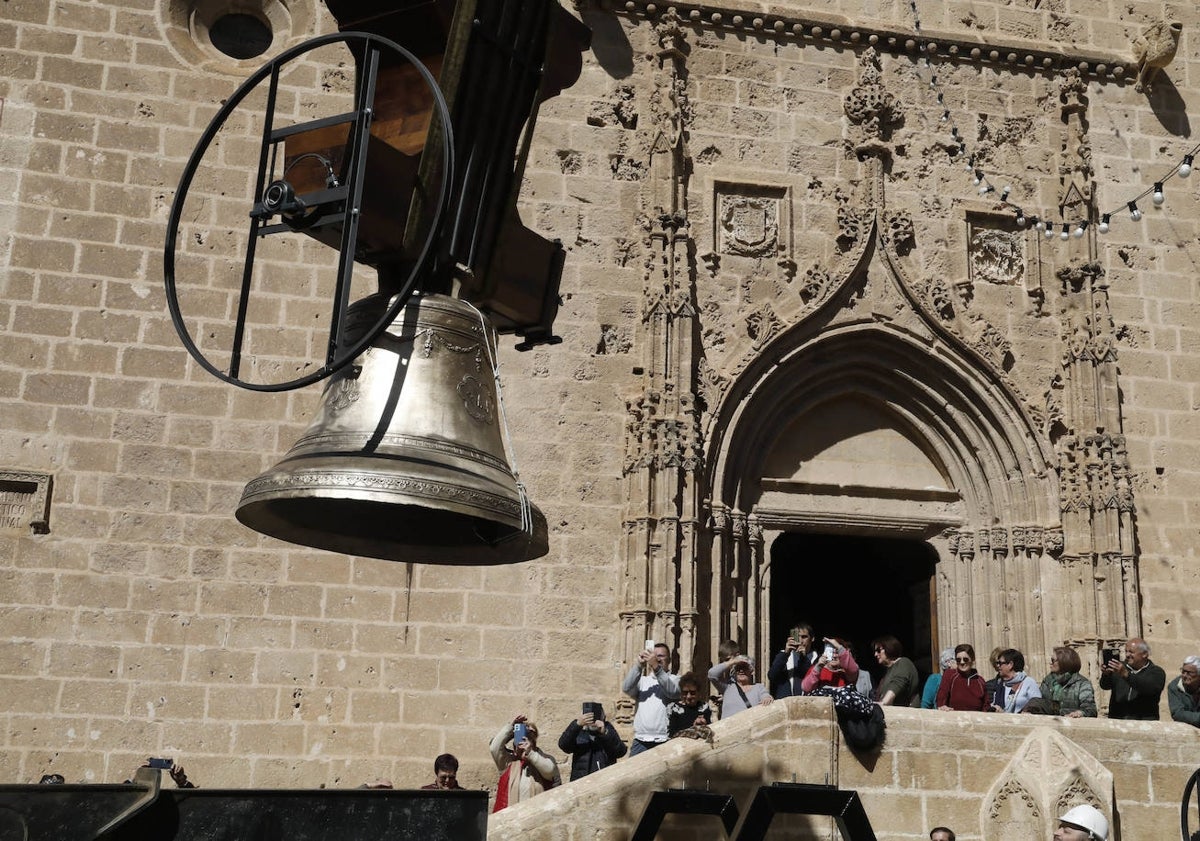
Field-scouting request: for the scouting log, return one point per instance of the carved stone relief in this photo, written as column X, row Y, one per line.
column 816, row 284
column 1094, row 473
column 1047, row 775
column 751, row 220
column 854, row 224
column 996, row 256
column 762, row 325
column 899, row 231
column 869, row 105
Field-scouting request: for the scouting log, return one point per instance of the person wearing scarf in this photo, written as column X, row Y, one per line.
column 1019, row 687
column 1071, row 692
column 526, row 771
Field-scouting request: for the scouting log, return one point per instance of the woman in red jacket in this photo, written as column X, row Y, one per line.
column 962, row 687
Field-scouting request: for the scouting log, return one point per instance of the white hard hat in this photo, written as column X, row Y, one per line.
column 1089, row 818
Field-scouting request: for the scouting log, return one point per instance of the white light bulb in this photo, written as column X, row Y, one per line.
column 984, row 190
column 1079, row 232
column 1065, row 235
column 1185, row 168
column 1158, row 198
column 1049, row 232
column 1020, row 221
column 1040, row 225
column 1135, row 214
column 1104, row 224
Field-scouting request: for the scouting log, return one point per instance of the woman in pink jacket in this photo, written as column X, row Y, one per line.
column 835, row 667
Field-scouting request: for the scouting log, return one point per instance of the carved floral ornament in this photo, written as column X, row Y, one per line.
column 762, row 325
column 869, row 104
column 999, row 541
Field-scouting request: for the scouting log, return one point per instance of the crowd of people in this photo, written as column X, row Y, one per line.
column 670, row 706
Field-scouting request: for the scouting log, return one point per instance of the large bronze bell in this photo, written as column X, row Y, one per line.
column 405, row 460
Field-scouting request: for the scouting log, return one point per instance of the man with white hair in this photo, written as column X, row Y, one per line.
column 1183, row 695
column 1136, row 683
column 1082, row 823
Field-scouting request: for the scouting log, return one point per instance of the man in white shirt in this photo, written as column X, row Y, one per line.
column 790, row 666
column 654, row 688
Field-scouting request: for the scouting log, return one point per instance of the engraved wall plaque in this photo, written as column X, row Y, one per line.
column 24, row 501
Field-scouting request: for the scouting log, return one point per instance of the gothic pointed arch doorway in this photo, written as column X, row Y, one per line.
column 857, row 588
column 865, row 434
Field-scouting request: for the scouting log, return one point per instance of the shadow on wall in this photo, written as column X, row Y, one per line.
column 1169, row 107
column 611, row 48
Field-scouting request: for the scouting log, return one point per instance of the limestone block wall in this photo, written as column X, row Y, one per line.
column 146, row 621
column 987, row 776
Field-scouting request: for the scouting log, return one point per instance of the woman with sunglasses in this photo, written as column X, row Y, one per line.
column 963, row 688
column 1018, row 687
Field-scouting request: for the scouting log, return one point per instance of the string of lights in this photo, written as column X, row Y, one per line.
column 1066, row 227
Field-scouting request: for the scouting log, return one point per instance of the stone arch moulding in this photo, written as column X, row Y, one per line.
column 994, row 522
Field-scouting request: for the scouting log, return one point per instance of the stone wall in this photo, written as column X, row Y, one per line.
column 985, row 776
column 142, row 619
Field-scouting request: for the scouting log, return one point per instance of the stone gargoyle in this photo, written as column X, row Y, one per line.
column 1153, row 50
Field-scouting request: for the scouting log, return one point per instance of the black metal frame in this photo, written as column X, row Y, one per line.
column 1188, row 790
column 844, row 807
column 682, row 801
column 348, row 196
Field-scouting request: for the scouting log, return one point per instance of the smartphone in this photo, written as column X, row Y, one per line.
column 158, row 762
column 650, row 645
column 595, row 708
column 520, row 734
column 1111, row 654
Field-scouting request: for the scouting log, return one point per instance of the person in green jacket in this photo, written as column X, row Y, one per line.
column 1074, row 693
column 1183, row 693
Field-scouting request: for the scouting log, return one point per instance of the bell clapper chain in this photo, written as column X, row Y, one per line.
column 494, row 364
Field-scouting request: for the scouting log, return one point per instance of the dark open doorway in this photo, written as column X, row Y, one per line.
column 858, row 588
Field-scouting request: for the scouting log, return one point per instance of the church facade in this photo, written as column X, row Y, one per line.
column 858, row 327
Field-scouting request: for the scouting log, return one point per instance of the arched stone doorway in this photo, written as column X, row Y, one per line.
column 857, row 588
column 863, row 432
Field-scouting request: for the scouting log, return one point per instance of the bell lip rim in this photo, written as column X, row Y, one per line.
column 536, row 545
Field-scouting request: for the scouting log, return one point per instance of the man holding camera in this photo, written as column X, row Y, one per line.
column 1136, row 683
column 789, row 666
column 592, row 742
column 654, row 688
